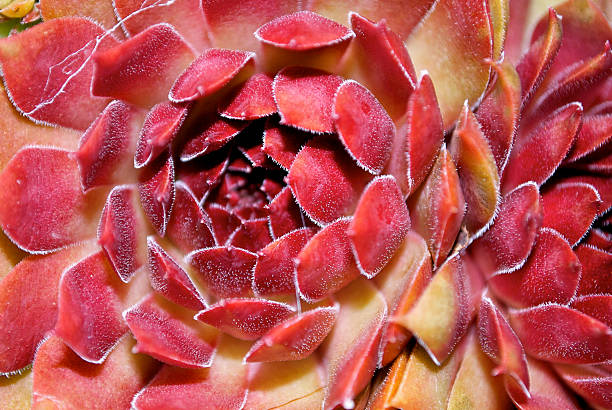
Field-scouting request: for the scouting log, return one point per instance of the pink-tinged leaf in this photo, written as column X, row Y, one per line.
column 478, row 173
column 185, row 15
column 381, row 63
column 160, row 127
column 296, row 338
column 550, row 274
column 61, row 378
column 352, row 351
column 559, row 334
column 417, row 143
column 202, row 175
column 498, row 113
column 208, row 73
column 507, row 244
column 252, row 235
column 141, row 69
column 99, row 11
column 325, row 181
column 570, row 209
column 326, row 263
column 538, row 152
column 47, row 71
column 599, row 239
column 596, row 306
column 254, row 99
column 440, row 317
column 363, row 126
column 282, row 144
column 237, row 32
column 595, row 132
column 401, row 282
column 596, row 268
column 500, row 343
column 379, row 225
column 437, row 208
column 602, row 183
column 305, row 97
column 106, row 148
column 42, row 206
column 157, row 189
column 246, row 319
column 454, row 38
column 285, row 215
column 169, row 278
column 25, row 316
column 169, row 333
column 223, row 221
column 274, row 272
column 122, row 230
column 303, row 30
column 537, row 60
column 189, row 228
column 217, row 131
column 226, row 271
column 592, row 383
column 222, row 386
column 393, row 12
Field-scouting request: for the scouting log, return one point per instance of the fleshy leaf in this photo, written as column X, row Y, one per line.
column 159, row 53
column 596, row 131
column 252, row 235
column 169, row 333
column 282, row 144
column 216, row 133
column 246, row 319
column 379, row 225
column 599, row 239
column 157, row 190
column 254, row 99
column 203, row 174
column 99, row 11
column 592, row 383
column 285, row 215
column 596, row 265
column 223, row 221
column 596, row 306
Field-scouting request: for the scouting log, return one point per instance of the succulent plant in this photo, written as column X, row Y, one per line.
column 227, row 204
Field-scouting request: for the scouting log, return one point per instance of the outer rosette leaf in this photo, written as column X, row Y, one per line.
column 100, row 11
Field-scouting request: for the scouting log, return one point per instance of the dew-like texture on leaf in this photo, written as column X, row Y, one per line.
column 282, row 144
column 285, row 215
column 254, row 99
column 252, row 235
column 326, row 264
column 208, row 73
column 215, row 134
column 142, row 69
column 379, row 225
column 596, row 268
column 42, row 205
column 226, row 271
column 157, row 190
column 246, row 319
column 169, row 333
column 47, row 71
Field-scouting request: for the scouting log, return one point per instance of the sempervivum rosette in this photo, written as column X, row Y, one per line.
column 284, row 204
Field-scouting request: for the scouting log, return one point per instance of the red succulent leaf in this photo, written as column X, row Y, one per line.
column 160, row 127
column 101, row 12
column 106, row 148
column 304, row 98
column 570, row 208
column 401, row 283
column 550, row 274
column 352, row 352
column 26, row 316
column 203, row 174
column 246, row 319
column 326, row 263
column 599, row 162
column 168, row 278
column 186, row 15
column 121, row 232
column 602, row 183
column 284, row 214
column 296, row 338
column 53, row 211
column 590, row 382
column 478, row 173
column 325, row 181
column 437, row 208
column 596, row 266
column 62, row 378
column 560, row 334
column 254, row 152
column 157, row 190
column 251, row 235
column 379, row 225
column 217, row 132
column 274, row 272
column 254, row 99
column 225, row 270
column 47, row 71
column 271, row 187
column 392, row 78
column 596, row 131
column 208, row 73
column 223, row 221
column 282, row 144
column 302, row 30
column 169, row 333
column 599, row 239
column 500, row 343
column 159, row 52
column 363, row 126
column 596, row 306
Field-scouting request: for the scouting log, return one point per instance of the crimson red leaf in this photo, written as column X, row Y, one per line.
column 285, row 215
column 251, row 235
column 596, row 306
column 223, row 221
column 253, row 100
column 596, row 266
column 282, row 144
column 217, row 132
column 156, row 188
